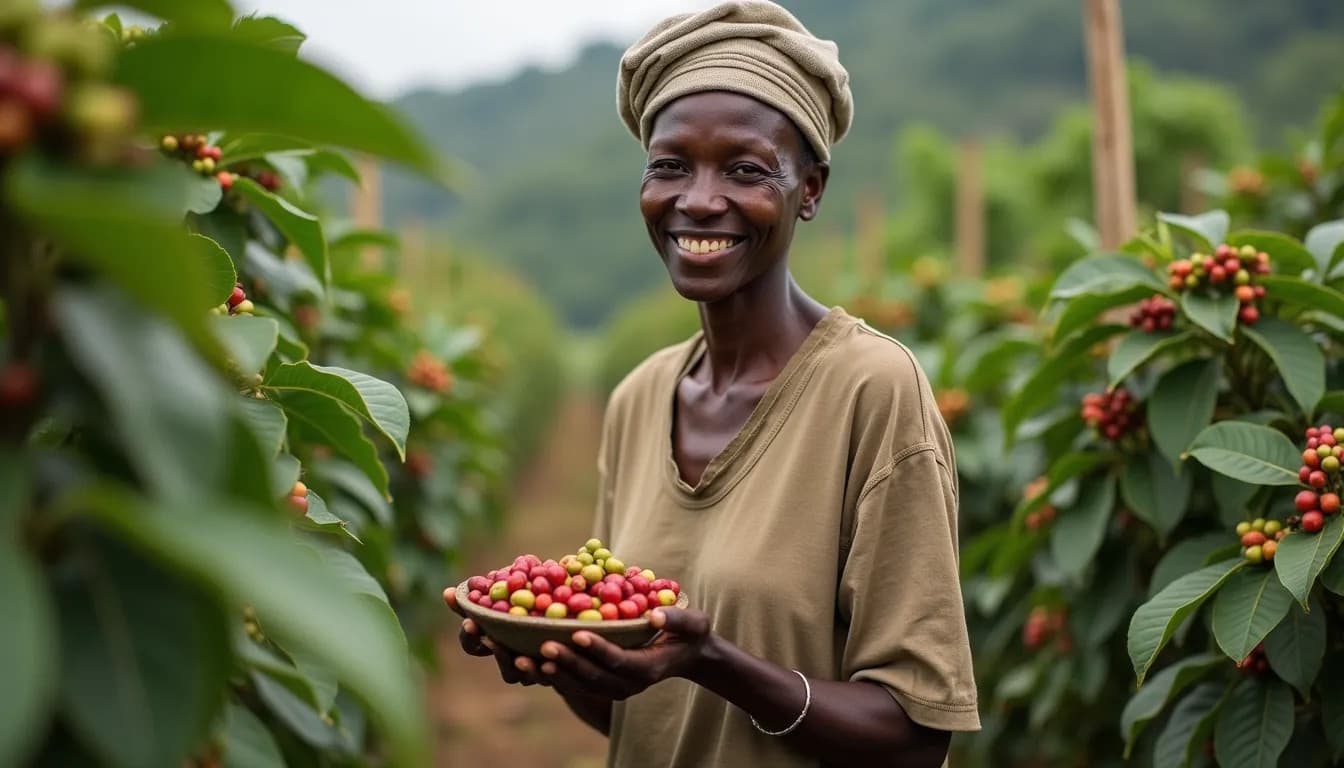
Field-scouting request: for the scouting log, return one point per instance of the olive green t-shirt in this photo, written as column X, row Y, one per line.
column 823, row 538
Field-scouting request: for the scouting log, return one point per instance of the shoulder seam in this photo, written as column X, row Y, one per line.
column 885, row 471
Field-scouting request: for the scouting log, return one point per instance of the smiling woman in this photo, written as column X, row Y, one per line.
column 787, row 462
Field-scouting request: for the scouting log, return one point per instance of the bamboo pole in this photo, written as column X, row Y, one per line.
column 1112, row 142
column 970, row 211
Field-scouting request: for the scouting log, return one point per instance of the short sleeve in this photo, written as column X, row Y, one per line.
column 900, row 595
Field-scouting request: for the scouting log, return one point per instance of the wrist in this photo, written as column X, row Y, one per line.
column 708, row 662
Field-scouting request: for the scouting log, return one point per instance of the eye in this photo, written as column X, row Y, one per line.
column 746, row 171
column 664, row 165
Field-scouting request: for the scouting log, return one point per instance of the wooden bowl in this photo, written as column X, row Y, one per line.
column 524, row 634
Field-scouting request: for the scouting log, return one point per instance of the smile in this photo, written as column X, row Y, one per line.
column 703, row 247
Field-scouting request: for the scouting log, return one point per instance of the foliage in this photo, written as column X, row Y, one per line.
column 184, row 339
column 643, row 327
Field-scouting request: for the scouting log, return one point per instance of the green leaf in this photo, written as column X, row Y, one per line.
column 1065, row 468
column 321, row 518
column 271, row 31
column 1207, row 229
column 203, row 193
column 1187, row 556
column 1332, row 402
column 1296, row 355
column 320, row 678
column 1190, row 723
column 219, row 269
column 1231, row 496
column 1323, row 241
column 1103, row 274
column 249, row 341
column 1094, row 621
column 1045, row 703
column 1155, row 620
column 198, row 14
column 267, row 422
column 286, row 471
column 1155, row 493
column 1286, row 254
column 1296, row 647
column 1078, row 531
column 1331, row 691
column 375, row 400
column 144, row 657
column 301, row 228
column 1248, row 452
column 262, row 90
column 1302, row 556
column 1249, row 605
column 1332, row 578
column 240, row 147
column 1255, row 725
column 304, row 721
column 252, row 561
column 247, row 743
column 27, row 645
column 1083, row 310
column 1215, row 314
column 1148, row 702
column 1137, row 348
column 1302, row 294
column 339, row 427
column 176, row 443
column 1040, row 389
column 1182, row 404
column 324, row 161
column 355, row 483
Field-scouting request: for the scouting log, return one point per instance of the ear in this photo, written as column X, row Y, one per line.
column 814, row 186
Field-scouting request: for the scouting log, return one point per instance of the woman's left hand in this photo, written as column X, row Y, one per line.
column 595, row 667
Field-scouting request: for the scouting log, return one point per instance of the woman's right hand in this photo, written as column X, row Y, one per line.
column 513, row 669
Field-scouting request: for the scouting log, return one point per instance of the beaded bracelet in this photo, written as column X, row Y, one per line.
column 807, row 704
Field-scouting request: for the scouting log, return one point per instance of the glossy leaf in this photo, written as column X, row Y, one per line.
column 1207, row 229
column 1302, row 294
column 1232, row 496
column 220, row 272
column 1296, row 647
column 337, row 426
column 297, row 715
column 1248, row 452
column 1064, row 469
column 1077, row 532
column 1187, row 556
column 203, row 14
column 1215, row 314
column 355, row 484
column 1332, row 578
column 1296, row 355
column 1041, row 388
column 261, row 90
column 1324, row 241
column 1302, row 556
column 1149, row 701
column 267, row 422
column 1084, row 309
column 1137, row 348
column 271, row 31
column 1190, row 724
column 1331, row 691
column 1255, row 725
column 1155, row 621
column 1154, row 492
column 1103, row 274
column 247, row 743
column 301, row 228
column 248, row 341
column 377, row 401
column 1286, row 254
column 321, row 518
column 1182, row 405
column 1249, row 605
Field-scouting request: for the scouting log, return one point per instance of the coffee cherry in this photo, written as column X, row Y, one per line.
column 523, row 598
column 1253, row 538
column 592, row 573
column 244, row 307
column 589, row 615
column 1254, row 554
column 1311, row 458
column 168, row 143
column 1249, row 315
column 18, row 385
column 1303, row 474
column 499, row 590
column 557, row 611
column 1245, row 293
column 667, row 597
column 1313, row 521
column 614, row 566
column 225, row 180
column 1316, row 479
column 1273, row 527
column 1244, row 527
column 1258, row 524
column 1268, row 549
column 1330, row 464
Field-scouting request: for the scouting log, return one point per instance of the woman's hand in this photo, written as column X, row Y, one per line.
column 513, row 669
column 595, row 667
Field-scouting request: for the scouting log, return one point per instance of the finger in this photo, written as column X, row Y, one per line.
column 589, row 676
column 680, row 621
column 471, row 640
column 530, row 674
column 450, row 597
column 604, row 653
column 505, row 660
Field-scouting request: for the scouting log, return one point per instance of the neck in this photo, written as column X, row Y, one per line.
column 750, row 335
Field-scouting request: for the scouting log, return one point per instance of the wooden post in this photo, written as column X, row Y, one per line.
column 1192, row 198
column 1112, row 142
column 970, row 211
column 366, row 206
column 416, row 272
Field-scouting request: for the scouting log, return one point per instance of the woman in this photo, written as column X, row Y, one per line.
column 787, row 464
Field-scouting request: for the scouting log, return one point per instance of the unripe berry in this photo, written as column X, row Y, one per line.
column 1242, row 277
column 299, row 489
column 169, row 143
column 1272, row 527
column 1330, row 464
column 1244, row 527
column 1268, row 549
column 1254, row 554
column 244, row 307
column 1245, row 294
column 1258, row 524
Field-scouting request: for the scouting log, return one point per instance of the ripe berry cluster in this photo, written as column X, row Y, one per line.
column 430, row 372
column 1153, row 314
column 298, row 497
column 1043, row 625
column 1320, row 470
column 1227, row 269
column 592, row 585
column 1113, row 414
column 1256, row 664
column 237, row 304
column 1260, row 539
column 204, row 158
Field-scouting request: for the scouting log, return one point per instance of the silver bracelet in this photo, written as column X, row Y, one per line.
column 807, row 704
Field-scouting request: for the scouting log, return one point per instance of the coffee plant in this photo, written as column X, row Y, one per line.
column 207, row 391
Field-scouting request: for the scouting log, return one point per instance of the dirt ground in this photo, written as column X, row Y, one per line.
column 478, row 721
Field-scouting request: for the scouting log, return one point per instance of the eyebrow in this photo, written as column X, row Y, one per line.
column 672, row 142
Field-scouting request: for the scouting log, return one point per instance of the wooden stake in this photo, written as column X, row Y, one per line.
column 970, row 211
column 1112, row 141
column 1192, row 198
column 366, row 206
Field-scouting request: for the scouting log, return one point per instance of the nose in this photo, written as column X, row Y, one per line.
column 702, row 198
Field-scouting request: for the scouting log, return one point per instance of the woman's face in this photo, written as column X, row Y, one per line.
column 726, row 180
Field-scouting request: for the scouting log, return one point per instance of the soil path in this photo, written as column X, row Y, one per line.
column 480, row 722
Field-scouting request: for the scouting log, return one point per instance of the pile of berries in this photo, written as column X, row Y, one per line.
column 1045, row 624
column 1114, row 414
column 592, row 585
column 1256, row 663
column 1229, row 268
column 1320, row 470
column 237, row 304
column 430, row 372
column 1260, row 539
column 298, row 497
column 1153, row 314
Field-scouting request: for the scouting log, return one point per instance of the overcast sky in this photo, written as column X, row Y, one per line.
column 389, row 46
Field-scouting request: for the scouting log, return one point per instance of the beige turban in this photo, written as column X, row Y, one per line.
column 751, row 47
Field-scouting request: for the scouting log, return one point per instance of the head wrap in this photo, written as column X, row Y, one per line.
column 751, row 47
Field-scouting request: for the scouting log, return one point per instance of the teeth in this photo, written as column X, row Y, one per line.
column 703, row 246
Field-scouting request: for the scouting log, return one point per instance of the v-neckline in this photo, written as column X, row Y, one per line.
column 730, row 464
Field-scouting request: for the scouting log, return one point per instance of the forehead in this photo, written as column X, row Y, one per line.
column 717, row 116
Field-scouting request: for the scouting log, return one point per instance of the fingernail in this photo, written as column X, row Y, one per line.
column 522, row 664
column 488, row 643
column 583, row 638
column 548, row 668
column 549, row 650
column 469, row 626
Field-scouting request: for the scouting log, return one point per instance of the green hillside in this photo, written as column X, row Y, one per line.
column 554, row 174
